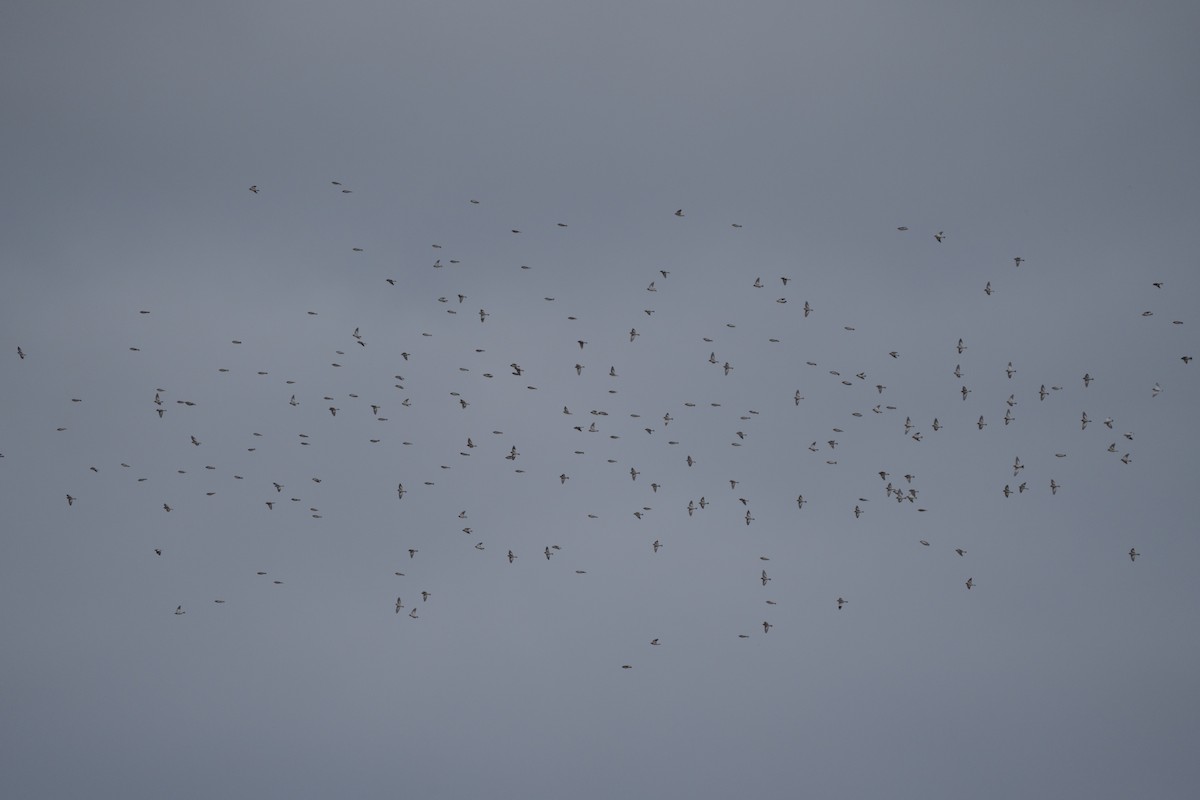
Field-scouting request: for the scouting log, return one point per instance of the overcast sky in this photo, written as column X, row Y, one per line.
column 446, row 189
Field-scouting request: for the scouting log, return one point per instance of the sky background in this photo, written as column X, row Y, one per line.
column 796, row 139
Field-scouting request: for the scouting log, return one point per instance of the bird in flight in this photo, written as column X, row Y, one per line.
column 970, row 583
column 1133, row 554
column 254, row 188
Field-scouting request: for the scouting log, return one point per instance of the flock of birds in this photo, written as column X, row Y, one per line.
column 580, row 424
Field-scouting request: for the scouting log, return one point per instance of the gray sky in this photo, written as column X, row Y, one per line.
column 1063, row 135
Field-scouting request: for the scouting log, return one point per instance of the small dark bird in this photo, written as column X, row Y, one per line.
column 254, row 188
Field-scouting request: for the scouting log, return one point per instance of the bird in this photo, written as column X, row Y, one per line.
column 512, row 557
column 940, row 235
column 960, row 551
column 679, row 213
column 254, row 188
column 1133, row 554
column 764, row 578
column 654, row 641
column 20, row 353
column 841, row 602
column 970, row 583
column 657, row 544
column 179, row 611
column 70, row 500
column 1017, row 261
column 399, row 605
